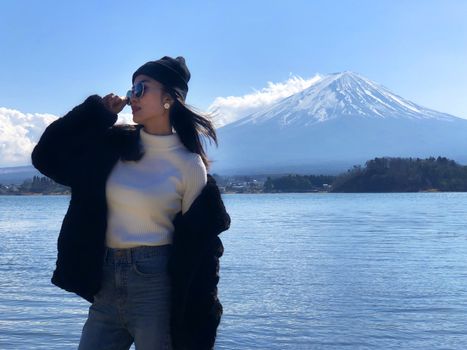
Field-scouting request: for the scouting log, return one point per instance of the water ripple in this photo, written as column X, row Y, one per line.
column 300, row 271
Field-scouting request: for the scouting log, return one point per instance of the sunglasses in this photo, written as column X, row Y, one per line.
column 137, row 91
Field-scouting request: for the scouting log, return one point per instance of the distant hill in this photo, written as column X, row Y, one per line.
column 341, row 120
column 404, row 175
column 16, row 175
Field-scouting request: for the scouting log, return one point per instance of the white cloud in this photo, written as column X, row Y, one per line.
column 125, row 118
column 20, row 132
column 231, row 108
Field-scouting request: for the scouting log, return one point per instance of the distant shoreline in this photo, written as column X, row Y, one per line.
column 245, row 193
column 379, row 175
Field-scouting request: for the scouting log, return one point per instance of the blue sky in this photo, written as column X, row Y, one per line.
column 56, row 53
column 243, row 55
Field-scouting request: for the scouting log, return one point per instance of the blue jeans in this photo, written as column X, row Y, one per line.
column 133, row 304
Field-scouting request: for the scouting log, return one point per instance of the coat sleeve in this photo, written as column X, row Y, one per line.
column 194, row 269
column 66, row 143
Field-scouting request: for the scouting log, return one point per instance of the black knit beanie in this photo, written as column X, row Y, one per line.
column 171, row 72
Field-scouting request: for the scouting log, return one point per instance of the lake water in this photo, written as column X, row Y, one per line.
column 300, row 271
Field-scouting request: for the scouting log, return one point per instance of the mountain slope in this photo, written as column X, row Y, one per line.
column 16, row 175
column 342, row 120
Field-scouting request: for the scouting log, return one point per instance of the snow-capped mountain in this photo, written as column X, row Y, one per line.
column 340, row 95
column 342, row 120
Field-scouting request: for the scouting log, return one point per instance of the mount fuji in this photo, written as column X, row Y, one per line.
column 342, row 120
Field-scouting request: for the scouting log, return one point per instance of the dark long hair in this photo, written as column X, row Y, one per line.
column 191, row 126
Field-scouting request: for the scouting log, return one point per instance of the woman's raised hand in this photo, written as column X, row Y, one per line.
column 114, row 103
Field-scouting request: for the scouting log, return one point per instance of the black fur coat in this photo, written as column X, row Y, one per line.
column 79, row 150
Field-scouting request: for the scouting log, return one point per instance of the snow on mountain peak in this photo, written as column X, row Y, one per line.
column 339, row 95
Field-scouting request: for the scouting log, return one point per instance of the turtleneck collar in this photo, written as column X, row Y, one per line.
column 159, row 142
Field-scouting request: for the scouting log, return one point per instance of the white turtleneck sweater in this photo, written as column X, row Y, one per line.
column 144, row 196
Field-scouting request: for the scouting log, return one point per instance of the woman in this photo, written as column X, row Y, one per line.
column 140, row 237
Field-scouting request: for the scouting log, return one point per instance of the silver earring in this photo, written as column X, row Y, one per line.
column 166, row 105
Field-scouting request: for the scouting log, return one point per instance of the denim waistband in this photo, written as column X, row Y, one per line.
column 129, row 255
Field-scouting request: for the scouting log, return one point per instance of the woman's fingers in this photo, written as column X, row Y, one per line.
column 114, row 103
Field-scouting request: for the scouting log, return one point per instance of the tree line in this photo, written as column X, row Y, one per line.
column 298, row 183
column 404, row 175
column 385, row 174
column 38, row 184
